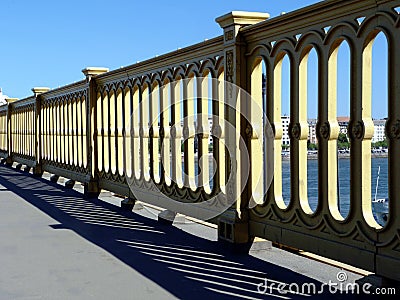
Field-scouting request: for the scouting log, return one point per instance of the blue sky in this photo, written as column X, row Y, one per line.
column 48, row 43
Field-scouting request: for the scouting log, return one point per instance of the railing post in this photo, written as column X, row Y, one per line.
column 233, row 224
column 9, row 160
column 37, row 91
column 91, row 187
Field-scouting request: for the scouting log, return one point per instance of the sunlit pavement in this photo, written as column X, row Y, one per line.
column 56, row 245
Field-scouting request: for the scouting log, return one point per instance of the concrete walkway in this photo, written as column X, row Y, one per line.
column 56, row 245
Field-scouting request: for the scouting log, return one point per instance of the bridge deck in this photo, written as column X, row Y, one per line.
column 56, row 245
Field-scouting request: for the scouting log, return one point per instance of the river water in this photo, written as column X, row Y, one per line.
column 344, row 181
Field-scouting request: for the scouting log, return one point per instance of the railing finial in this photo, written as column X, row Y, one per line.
column 233, row 21
column 94, row 71
column 241, row 18
column 11, row 100
column 40, row 90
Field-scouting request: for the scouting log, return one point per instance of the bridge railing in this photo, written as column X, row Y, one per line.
column 142, row 131
column 3, row 131
column 18, row 140
column 63, row 132
column 144, row 118
column 357, row 238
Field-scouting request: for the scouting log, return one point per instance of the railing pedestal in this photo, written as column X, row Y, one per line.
column 70, row 184
column 91, row 189
column 233, row 226
column 37, row 171
column 234, row 234
column 166, row 217
column 128, row 204
column 54, row 178
column 9, row 161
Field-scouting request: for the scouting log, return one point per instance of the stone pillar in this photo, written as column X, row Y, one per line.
column 37, row 169
column 233, row 223
column 91, row 187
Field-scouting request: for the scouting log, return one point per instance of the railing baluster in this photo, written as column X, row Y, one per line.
column 102, row 144
column 64, row 145
column 176, row 133
column 218, row 132
column 70, row 132
column 155, row 137
column 165, row 140
column 189, row 131
column 119, row 140
column 126, row 153
column 113, row 136
column 108, row 128
column 79, row 130
column 82, row 140
column 202, row 122
column 144, row 112
column 136, row 130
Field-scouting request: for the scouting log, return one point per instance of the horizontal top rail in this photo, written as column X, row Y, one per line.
column 3, row 108
column 24, row 102
column 185, row 55
column 65, row 90
column 324, row 13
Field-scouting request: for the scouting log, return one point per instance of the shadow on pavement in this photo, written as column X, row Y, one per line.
column 185, row 265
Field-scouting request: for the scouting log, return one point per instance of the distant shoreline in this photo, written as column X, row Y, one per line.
column 341, row 156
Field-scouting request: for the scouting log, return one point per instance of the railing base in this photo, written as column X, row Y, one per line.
column 128, row 204
column 234, row 235
column 233, row 231
column 260, row 244
column 70, row 184
column 168, row 217
column 9, row 161
column 138, row 206
column 37, row 171
column 91, row 190
column 54, row 178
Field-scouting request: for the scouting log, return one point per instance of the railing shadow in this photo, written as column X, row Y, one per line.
column 183, row 264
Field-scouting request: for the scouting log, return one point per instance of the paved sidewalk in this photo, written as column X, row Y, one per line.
column 56, row 245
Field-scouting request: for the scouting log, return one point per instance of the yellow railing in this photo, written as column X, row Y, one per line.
column 135, row 131
column 3, row 131
column 357, row 239
column 63, row 131
column 140, row 106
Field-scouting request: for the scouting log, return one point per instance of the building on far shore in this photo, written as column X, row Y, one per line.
column 3, row 97
column 343, row 123
column 312, row 131
column 285, row 130
column 379, row 131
